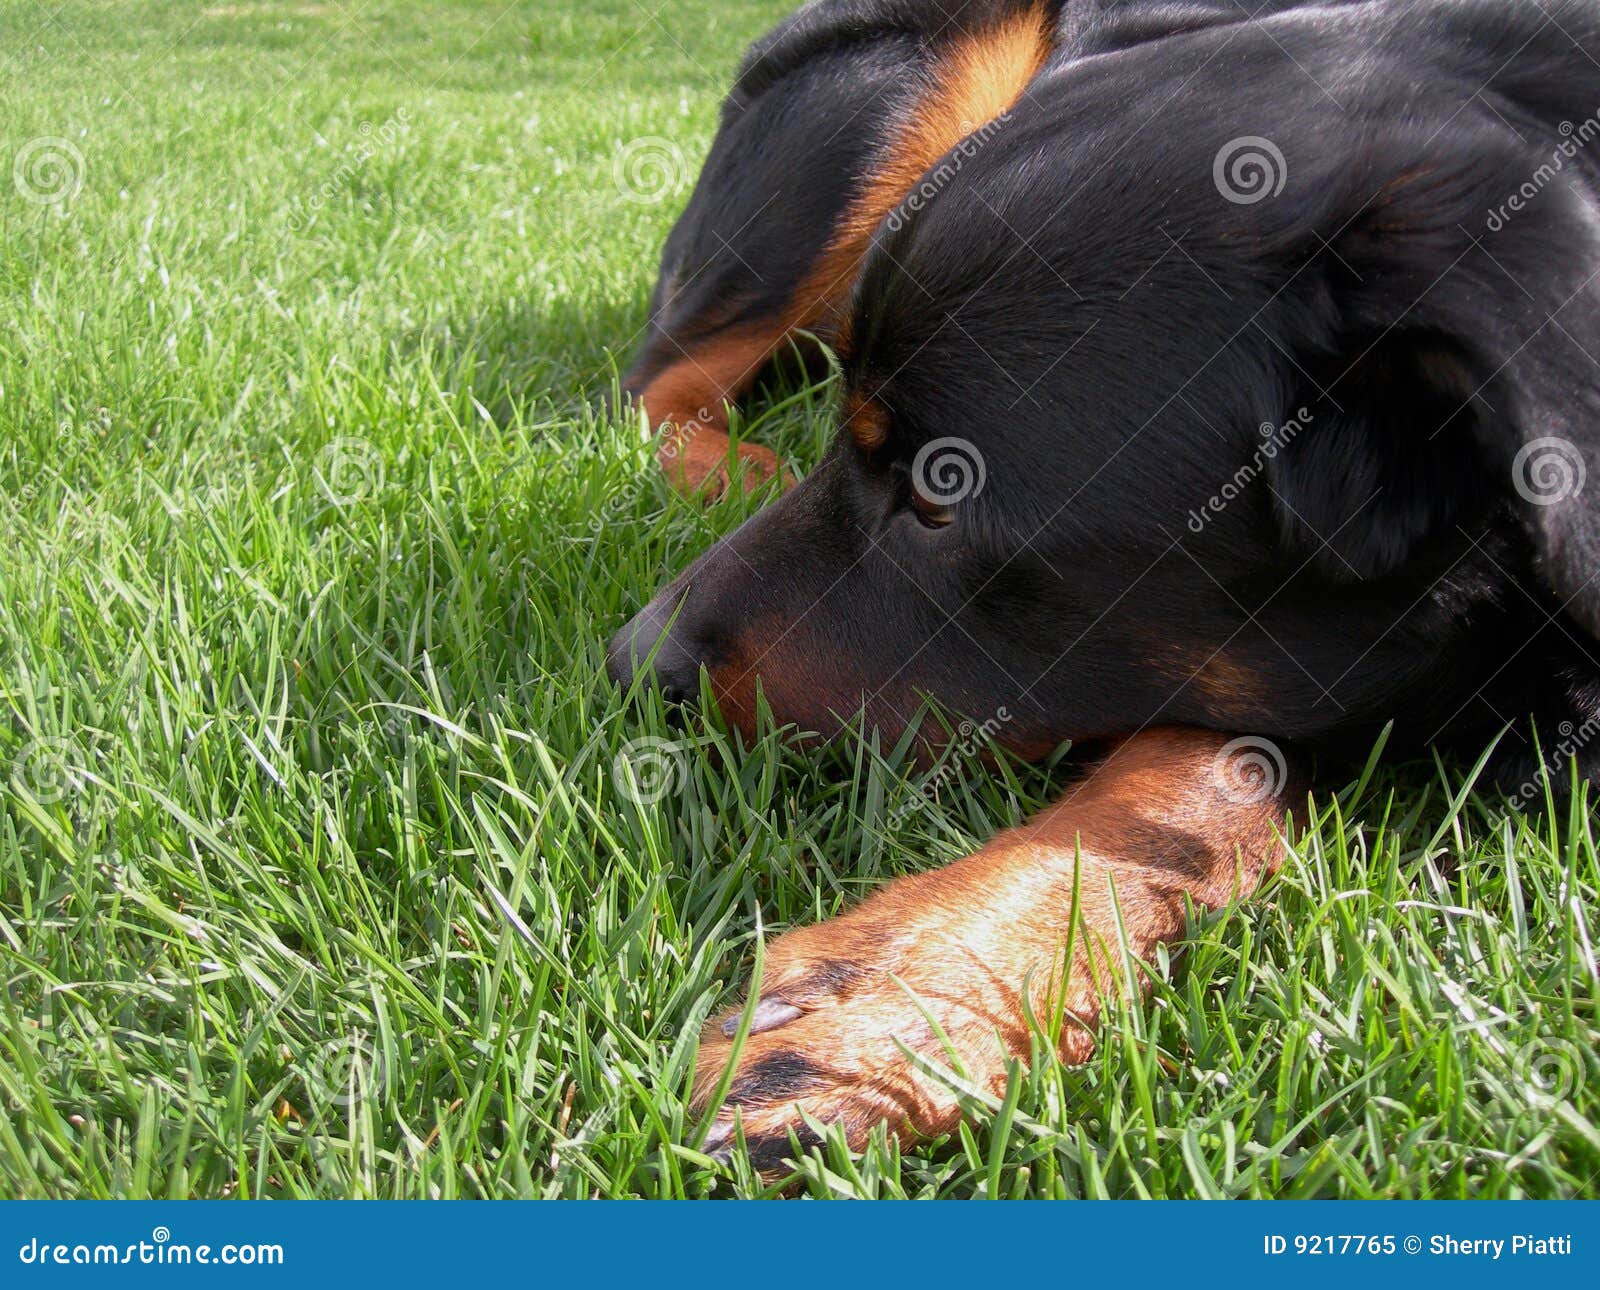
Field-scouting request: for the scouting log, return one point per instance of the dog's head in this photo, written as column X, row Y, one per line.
column 1188, row 404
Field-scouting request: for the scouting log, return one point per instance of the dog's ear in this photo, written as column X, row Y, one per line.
column 1445, row 322
column 1378, row 455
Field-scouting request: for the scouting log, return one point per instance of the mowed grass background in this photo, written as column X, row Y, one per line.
column 316, row 874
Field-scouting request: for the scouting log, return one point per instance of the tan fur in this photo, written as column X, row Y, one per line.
column 795, row 672
column 686, row 403
column 975, row 81
column 1229, row 688
column 984, row 941
column 867, row 422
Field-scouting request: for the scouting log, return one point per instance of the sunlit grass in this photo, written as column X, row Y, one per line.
column 316, row 877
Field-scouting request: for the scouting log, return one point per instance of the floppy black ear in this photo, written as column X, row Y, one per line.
column 1446, row 321
column 1379, row 457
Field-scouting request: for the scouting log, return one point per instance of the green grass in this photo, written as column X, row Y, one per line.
column 315, row 878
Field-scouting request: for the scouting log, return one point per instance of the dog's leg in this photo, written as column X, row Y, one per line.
column 847, row 1026
column 684, row 399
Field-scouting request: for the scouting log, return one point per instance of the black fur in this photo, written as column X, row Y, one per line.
column 775, row 1078
column 1084, row 305
column 812, row 104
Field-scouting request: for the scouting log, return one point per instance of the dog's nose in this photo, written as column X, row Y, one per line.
column 651, row 640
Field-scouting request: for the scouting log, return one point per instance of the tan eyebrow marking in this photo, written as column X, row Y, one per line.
column 867, row 420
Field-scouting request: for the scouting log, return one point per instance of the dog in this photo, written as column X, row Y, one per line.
column 1233, row 404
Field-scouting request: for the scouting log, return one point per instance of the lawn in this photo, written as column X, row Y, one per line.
column 319, row 871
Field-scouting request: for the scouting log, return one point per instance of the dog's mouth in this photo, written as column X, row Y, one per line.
column 768, row 667
column 782, row 671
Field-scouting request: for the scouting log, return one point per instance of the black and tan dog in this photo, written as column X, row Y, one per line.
column 1235, row 399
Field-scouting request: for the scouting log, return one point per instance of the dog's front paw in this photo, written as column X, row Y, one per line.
column 697, row 463
column 860, row 1022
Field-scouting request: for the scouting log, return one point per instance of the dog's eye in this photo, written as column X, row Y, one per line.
column 931, row 514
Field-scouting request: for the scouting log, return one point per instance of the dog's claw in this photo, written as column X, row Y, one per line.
column 719, row 1141
column 769, row 1015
